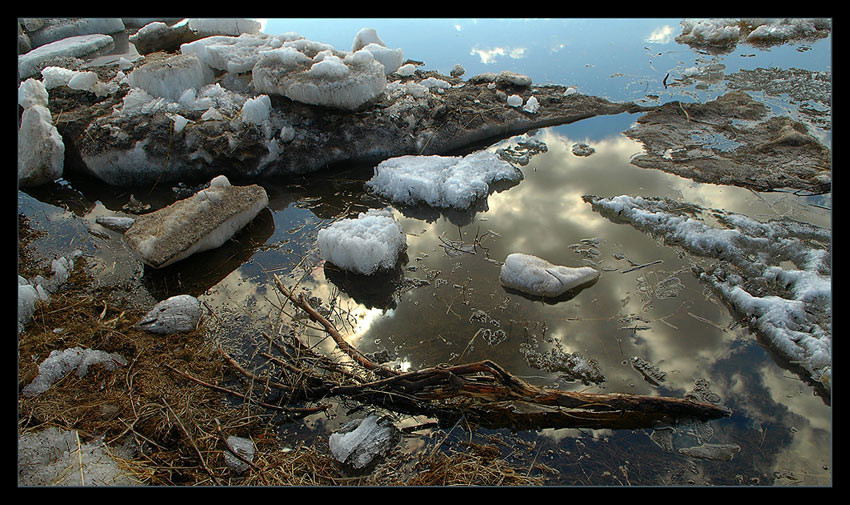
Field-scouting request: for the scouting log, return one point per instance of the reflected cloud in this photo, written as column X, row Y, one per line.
column 661, row 35
column 488, row 56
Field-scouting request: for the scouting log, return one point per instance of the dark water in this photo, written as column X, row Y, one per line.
column 660, row 313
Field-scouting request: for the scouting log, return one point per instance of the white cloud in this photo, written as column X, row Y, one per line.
column 490, row 55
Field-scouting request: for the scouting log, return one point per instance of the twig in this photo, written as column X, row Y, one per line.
column 192, row 441
column 638, row 267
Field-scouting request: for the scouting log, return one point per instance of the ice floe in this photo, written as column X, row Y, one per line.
column 450, row 182
column 204, row 221
column 369, row 243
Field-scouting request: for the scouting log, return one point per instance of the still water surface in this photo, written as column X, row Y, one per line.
column 660, row 313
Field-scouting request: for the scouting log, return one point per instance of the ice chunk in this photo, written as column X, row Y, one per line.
column 205, row 27
column 370, row 243
column 339, row 80
column 359, row 442
column 72, row 47
column 176, row 314
column 33, row 92
column 171, row 77
column 515, row 101
column 201, row 222
column 391, row 59
column 536, row 276
column 365, row 37
column 440, row 181
column 60, row 363
column 256, row 110
column 531, row 105
column 235, row 54
column 41, row 151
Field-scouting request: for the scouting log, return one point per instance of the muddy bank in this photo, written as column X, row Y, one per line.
column 732, row 140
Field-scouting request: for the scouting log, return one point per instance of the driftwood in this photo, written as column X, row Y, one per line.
column 481, row 393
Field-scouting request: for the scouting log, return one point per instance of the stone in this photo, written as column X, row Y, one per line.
column 201, row 222
column 178, row 314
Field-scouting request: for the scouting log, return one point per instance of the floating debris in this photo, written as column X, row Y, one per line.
column 650, row 372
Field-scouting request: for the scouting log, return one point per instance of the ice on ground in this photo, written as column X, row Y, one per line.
column 201, row 222
column 536, row 276
column 727, row 32
column 53, row 457
column 55, row 29
column 791, row 307
column 256, row 110
column 360, row 441
column 367, row 244
column 60, row 363
column 179, row 313
column 440, row 181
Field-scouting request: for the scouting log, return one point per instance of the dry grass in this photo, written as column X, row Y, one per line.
column 178, row 425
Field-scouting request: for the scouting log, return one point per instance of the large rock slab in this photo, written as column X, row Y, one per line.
column 201, row 222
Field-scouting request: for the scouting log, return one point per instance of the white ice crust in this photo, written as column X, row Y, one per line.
column 370, row 243
column 440, row 181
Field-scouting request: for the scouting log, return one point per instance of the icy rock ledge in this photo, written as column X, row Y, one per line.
column 358, row 443
column 536, row 276
column 370, row 243
column 201, row 222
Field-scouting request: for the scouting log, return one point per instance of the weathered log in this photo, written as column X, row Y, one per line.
column 496, row 391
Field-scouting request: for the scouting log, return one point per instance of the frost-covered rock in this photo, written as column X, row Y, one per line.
column 536, row 276
column 370, row 243
column 358, row 443
column 440, row 181
column 515, row 78
column 201, row 222
column 60, row 363
column 30, row 63
column 171, row 77
column 313, row 73
column 177, row 314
